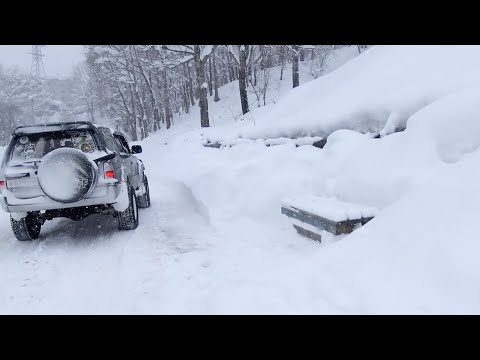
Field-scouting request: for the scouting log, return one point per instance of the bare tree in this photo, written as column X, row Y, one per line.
column 361, row 47
column 283, row 59
column 15, row 92
column 215, row 77
column 320, row 54
column 200, row 56
column 242, row 77
column 166, row 99
column 262, row 85
column 202, row 85
column 261, row 60
column 83, row 88
column 295, row 74
column 140, row 63
column 140, row 87
column 210, row 76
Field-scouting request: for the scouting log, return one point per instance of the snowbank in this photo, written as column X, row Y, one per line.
column 418, row 255
column 363, row 93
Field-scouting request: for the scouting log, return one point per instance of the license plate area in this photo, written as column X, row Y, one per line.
column 23, row 182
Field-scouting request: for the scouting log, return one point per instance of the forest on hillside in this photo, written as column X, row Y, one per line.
column 139, row 88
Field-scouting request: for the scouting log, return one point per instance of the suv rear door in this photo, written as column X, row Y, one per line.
column 131, row 164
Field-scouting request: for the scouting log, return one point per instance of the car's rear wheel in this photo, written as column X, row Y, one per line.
column 128, row 219
column 26, row 229
column 144, row 199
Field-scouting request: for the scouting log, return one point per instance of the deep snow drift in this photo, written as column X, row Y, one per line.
column 214, row 240
column 419, row 254
column 361, row 95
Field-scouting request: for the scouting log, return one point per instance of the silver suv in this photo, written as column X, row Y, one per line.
column 70, row 170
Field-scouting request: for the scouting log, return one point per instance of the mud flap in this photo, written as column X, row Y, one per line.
column 122, row 202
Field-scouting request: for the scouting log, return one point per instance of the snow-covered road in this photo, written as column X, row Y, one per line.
column 174, row 262
column 91, row 267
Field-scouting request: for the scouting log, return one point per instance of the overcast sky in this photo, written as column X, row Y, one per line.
column 58, row 60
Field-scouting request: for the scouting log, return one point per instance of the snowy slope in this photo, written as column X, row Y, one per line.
column 228, row 108
column 214, row 240
column 362, row 94
column 418, row 255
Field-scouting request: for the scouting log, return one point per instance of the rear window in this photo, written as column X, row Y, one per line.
column 35, row 146
column 108, row 137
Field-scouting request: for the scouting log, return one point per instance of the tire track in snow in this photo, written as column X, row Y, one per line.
column 90, row 267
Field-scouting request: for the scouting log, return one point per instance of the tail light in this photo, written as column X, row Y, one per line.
column 2, row 184
column 109, row 172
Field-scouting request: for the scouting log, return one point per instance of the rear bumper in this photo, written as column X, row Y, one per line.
column 104, row 195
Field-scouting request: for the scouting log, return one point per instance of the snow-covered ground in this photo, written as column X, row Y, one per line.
column 214, row 240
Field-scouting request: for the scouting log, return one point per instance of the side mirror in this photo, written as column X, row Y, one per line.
column 136, row 149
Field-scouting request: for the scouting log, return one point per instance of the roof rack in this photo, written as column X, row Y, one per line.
column 71, row 125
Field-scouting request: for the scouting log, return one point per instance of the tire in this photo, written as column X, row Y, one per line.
column 128, row 219
column 26, row 229
column 144, row 200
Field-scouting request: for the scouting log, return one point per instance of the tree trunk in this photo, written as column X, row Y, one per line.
column 231, row 68
column 156, row 117
column 175, row 101
column 202, row 87
column 161, row 102
column 282, row 60
column 166, row 99
column 133, row 125
column 250, row 62
column 190, row 84
column 186, row 100
column 243, row 50
column 145, row 128
column 210, row 76
column 141, row 111
column 153, row 101
column 130, row 111
column 225, row 77
column 295, row 75
column 215, row 78
column 136, row 92
column 149, row 84
column 162, row 117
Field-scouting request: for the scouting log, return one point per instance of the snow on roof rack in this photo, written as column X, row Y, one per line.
column 34, row 129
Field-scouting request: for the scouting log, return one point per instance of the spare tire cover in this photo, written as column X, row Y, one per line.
column 67, row 175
